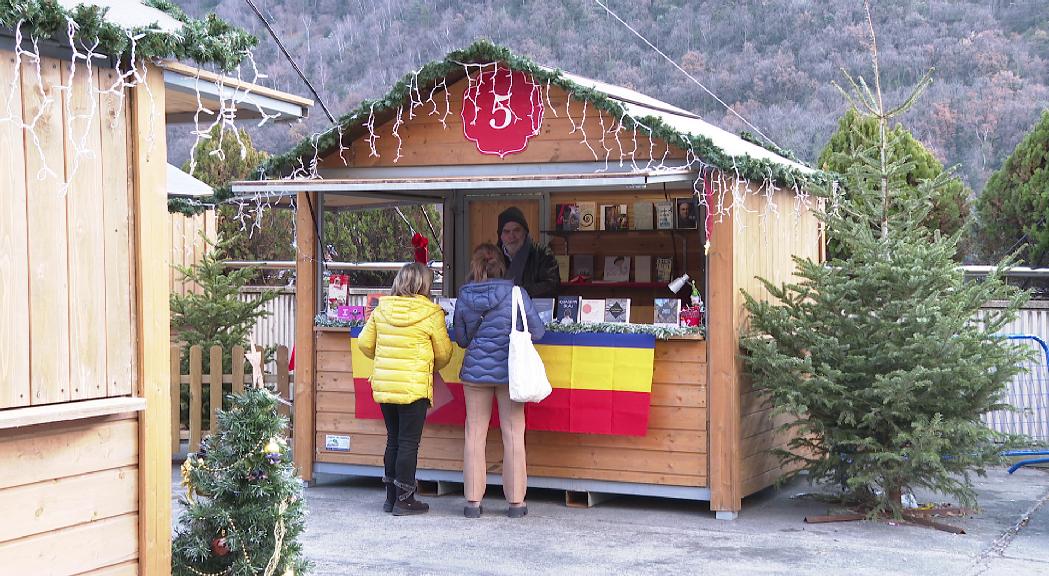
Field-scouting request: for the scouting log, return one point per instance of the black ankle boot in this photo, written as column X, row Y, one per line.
column 406, row 504
column 391, row 495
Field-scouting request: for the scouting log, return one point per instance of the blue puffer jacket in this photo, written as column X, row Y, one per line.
column 482, row 328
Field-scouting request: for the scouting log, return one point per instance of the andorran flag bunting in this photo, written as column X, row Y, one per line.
column 602, row 384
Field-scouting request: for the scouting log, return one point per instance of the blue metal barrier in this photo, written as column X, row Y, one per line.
column 1033, row 401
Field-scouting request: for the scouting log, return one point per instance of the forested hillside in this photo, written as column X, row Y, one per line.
column 774, row 61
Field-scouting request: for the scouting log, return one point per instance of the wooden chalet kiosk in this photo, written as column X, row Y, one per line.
column 708, row 434
column 85, row 433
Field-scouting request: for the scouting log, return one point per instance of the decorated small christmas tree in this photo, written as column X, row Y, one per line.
column 244, row 502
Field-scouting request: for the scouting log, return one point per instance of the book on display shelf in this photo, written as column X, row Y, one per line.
column 642, row 268
column 643, row 216
column 664, row 215
column 666, row 311
column 582, row 267
column 448, row 305
column 372, row 302
column 563, row 266
column 592, row 310
column 545, row 308
column 587, row 215
column 664, row 269
column 617, row 269
column 568, row 307
column 566, row 217
column 617, row 310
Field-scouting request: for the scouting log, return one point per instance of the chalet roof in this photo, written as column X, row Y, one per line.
column 679, row 127
column 130, row 14
column 682, row 121
column 182, row 185
column 152, row 28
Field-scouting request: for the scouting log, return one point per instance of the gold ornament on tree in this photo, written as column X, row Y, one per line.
column 272, row 451
column 187, row 468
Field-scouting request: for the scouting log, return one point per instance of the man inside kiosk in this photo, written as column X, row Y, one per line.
column 529, row 264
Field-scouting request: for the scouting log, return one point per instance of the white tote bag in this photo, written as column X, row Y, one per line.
column 528, row 381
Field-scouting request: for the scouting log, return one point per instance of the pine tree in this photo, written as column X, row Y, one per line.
column 949, row 205
column 216, row 315
column 244, row 502
column 1014, row 207
column 878, row 354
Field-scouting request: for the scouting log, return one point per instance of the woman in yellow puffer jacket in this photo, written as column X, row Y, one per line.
column 407, row 337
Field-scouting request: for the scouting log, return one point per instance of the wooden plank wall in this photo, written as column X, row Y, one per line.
column 14, row 252
column 69, row 493
column 188, row 247
column 429, row 143
column 764, row 245
column 67, row 288
column 684, row 246
column 483, row 220
column 151, row 268
column 673, row 453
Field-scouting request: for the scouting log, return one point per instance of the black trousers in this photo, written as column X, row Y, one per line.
column 404, row 429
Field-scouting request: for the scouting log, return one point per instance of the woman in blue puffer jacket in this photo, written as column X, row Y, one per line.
column 482, row 328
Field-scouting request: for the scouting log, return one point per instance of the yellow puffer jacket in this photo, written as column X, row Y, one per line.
column 407, row 338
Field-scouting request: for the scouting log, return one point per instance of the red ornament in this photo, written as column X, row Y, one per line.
column 502, row 110
column 219, row 546
column 420, row 242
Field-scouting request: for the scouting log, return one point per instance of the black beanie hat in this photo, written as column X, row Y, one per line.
column 512, row 214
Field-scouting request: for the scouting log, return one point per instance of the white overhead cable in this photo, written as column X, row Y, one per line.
column 683, row 71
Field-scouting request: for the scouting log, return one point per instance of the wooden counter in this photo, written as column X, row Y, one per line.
column 673, row 453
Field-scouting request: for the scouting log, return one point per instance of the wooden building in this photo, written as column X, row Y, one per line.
column 708, row 432
column 85, row 450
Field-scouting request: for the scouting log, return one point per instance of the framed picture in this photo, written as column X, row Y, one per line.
column 666, row 312
column 686, row 213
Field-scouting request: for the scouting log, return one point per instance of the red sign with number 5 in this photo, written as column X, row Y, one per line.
column 502, row 110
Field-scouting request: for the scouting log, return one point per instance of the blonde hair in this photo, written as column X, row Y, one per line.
column 486, row 262
column 412, row 279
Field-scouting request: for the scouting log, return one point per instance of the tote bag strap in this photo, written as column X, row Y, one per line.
column 517, row 305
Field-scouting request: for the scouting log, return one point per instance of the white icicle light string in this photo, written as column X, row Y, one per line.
column 729, row 189
column 129, row 73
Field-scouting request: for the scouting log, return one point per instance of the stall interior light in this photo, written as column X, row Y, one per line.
column 678, row 283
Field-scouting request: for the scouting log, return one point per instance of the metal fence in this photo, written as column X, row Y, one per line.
column 1028, row 392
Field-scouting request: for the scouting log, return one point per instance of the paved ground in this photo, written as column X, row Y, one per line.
column 347, row 533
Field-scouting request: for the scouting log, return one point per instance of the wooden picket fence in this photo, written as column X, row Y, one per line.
column 199, row 384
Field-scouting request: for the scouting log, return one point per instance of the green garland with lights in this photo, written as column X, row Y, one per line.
column 209, row 40
column 481, row 51
column 194, row 206
column 660, row 332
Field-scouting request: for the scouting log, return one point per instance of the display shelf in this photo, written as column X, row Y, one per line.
column 614, row 285
column 614, row 232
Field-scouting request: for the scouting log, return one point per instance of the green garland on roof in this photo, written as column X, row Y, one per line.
column 660, row 332
column 194, row 206
column 483, row 51
column 770, row 146
column 187, row 206
column 206, row 41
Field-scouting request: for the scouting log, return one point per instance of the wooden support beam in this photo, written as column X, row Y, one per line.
column 150, row 242
column 305, row 310
column 723, row 372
